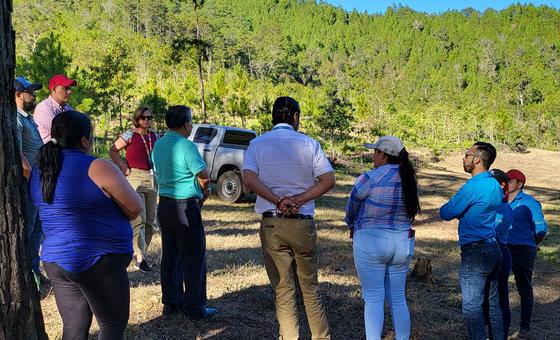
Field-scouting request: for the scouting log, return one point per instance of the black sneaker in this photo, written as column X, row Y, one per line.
column 169, row 310
column 143, row 266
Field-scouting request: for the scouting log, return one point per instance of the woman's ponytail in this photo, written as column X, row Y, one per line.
column 409, row 185
column 49, row 163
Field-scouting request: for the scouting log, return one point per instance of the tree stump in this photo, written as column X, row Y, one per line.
column 422, row 270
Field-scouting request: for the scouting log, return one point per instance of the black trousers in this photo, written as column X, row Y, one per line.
column 523, row 261
column 102, row 290
column 183, row 260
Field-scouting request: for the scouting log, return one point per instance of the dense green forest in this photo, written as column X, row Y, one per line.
column 439, row 81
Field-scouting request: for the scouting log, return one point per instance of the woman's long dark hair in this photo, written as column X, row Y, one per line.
column 67, row 131
column 408, row 182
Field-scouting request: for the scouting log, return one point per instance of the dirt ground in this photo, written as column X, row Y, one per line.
column 238, row 285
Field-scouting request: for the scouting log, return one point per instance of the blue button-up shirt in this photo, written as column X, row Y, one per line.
column 475, row 205
column 528, row 220
column 504, row 217
column 376, row 201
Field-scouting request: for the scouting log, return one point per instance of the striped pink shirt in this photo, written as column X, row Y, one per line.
column 44, row 114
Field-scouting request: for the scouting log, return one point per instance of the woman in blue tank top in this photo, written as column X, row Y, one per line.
column 85, row 205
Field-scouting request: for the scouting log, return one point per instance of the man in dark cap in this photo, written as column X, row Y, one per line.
column 29, row 141
column 528, row 229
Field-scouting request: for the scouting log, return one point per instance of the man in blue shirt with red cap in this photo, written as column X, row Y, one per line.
column 475, row 206
column 527, row 231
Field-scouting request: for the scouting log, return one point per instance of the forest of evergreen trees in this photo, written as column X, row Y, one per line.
column 439, row 81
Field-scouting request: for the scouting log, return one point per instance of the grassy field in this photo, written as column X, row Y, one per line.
column 238, row 285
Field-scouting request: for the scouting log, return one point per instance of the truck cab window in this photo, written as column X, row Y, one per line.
column 204, row 135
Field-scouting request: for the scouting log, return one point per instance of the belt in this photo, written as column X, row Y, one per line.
column 179, row 200
column 475, row 244
column 270, row 214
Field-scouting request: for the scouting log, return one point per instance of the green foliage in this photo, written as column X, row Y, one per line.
column 439, row 81
column 335, row 117
column 47, row 59
column 111, row 82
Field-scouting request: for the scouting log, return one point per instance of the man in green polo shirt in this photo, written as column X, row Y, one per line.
column 183, row 187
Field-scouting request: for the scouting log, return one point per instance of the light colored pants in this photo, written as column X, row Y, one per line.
column 286, row 242
column 382, row 257
column 143, row 226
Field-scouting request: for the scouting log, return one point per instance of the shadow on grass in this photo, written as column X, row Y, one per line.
column 249, row 314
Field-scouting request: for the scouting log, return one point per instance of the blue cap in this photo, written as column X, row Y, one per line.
column 21, row 84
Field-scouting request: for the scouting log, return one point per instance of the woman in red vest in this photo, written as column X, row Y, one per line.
column 138, row 144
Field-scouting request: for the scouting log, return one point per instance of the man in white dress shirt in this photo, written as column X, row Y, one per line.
column 288, row 170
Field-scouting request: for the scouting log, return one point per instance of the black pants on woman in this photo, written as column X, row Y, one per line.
column 183, row 259
column 102, row 290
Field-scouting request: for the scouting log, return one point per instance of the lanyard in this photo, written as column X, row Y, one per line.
column 148, row 150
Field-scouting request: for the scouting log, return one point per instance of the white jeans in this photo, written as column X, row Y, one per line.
column 382, row 257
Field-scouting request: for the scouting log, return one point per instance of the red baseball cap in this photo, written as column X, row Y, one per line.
column 61, row 79
column 516, row 174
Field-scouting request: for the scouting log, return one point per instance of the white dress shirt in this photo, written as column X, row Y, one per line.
column 286, row 162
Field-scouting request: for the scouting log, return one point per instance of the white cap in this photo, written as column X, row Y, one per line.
column 389, row 144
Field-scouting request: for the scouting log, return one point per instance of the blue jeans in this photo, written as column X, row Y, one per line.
column 382, row 257
column 503, row 293
column 33, row 229
column 479, row 270
column 523, row 261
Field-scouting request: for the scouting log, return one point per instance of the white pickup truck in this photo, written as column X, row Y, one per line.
column 223, row 149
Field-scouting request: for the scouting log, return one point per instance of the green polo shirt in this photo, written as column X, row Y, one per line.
column 177, row 162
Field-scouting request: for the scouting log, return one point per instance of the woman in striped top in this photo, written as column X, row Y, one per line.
column 379, row 213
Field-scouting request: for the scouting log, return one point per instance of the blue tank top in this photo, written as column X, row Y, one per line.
column 82, row 224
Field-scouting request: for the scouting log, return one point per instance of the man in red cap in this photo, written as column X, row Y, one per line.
column 528, row 229
column 57, row 102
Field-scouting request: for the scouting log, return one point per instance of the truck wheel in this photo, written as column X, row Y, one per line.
column 230, row 187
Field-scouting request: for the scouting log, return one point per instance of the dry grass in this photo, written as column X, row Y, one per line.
column 238, row 286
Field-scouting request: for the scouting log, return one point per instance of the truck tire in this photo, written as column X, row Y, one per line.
column 230, row 187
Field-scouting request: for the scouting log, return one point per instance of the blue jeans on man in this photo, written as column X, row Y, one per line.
column 34, row 232
column 480, row 263
column 503, row 293
column 523, row 261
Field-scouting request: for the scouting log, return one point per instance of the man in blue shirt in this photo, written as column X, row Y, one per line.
column 29, row 141
column 475, row 205
column 183, row 187
column 527, row 231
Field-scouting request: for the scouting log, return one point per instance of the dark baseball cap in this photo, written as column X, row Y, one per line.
column 21, row 85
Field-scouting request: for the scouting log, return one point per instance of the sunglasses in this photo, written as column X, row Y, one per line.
column 145, row 117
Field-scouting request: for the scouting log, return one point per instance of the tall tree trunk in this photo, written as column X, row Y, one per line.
column 20, row 309
column 331, row 138
column 200, row 60
column 201, row 81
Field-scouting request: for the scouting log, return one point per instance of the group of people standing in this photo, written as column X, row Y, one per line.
column 87, row 205
column 500, row 227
